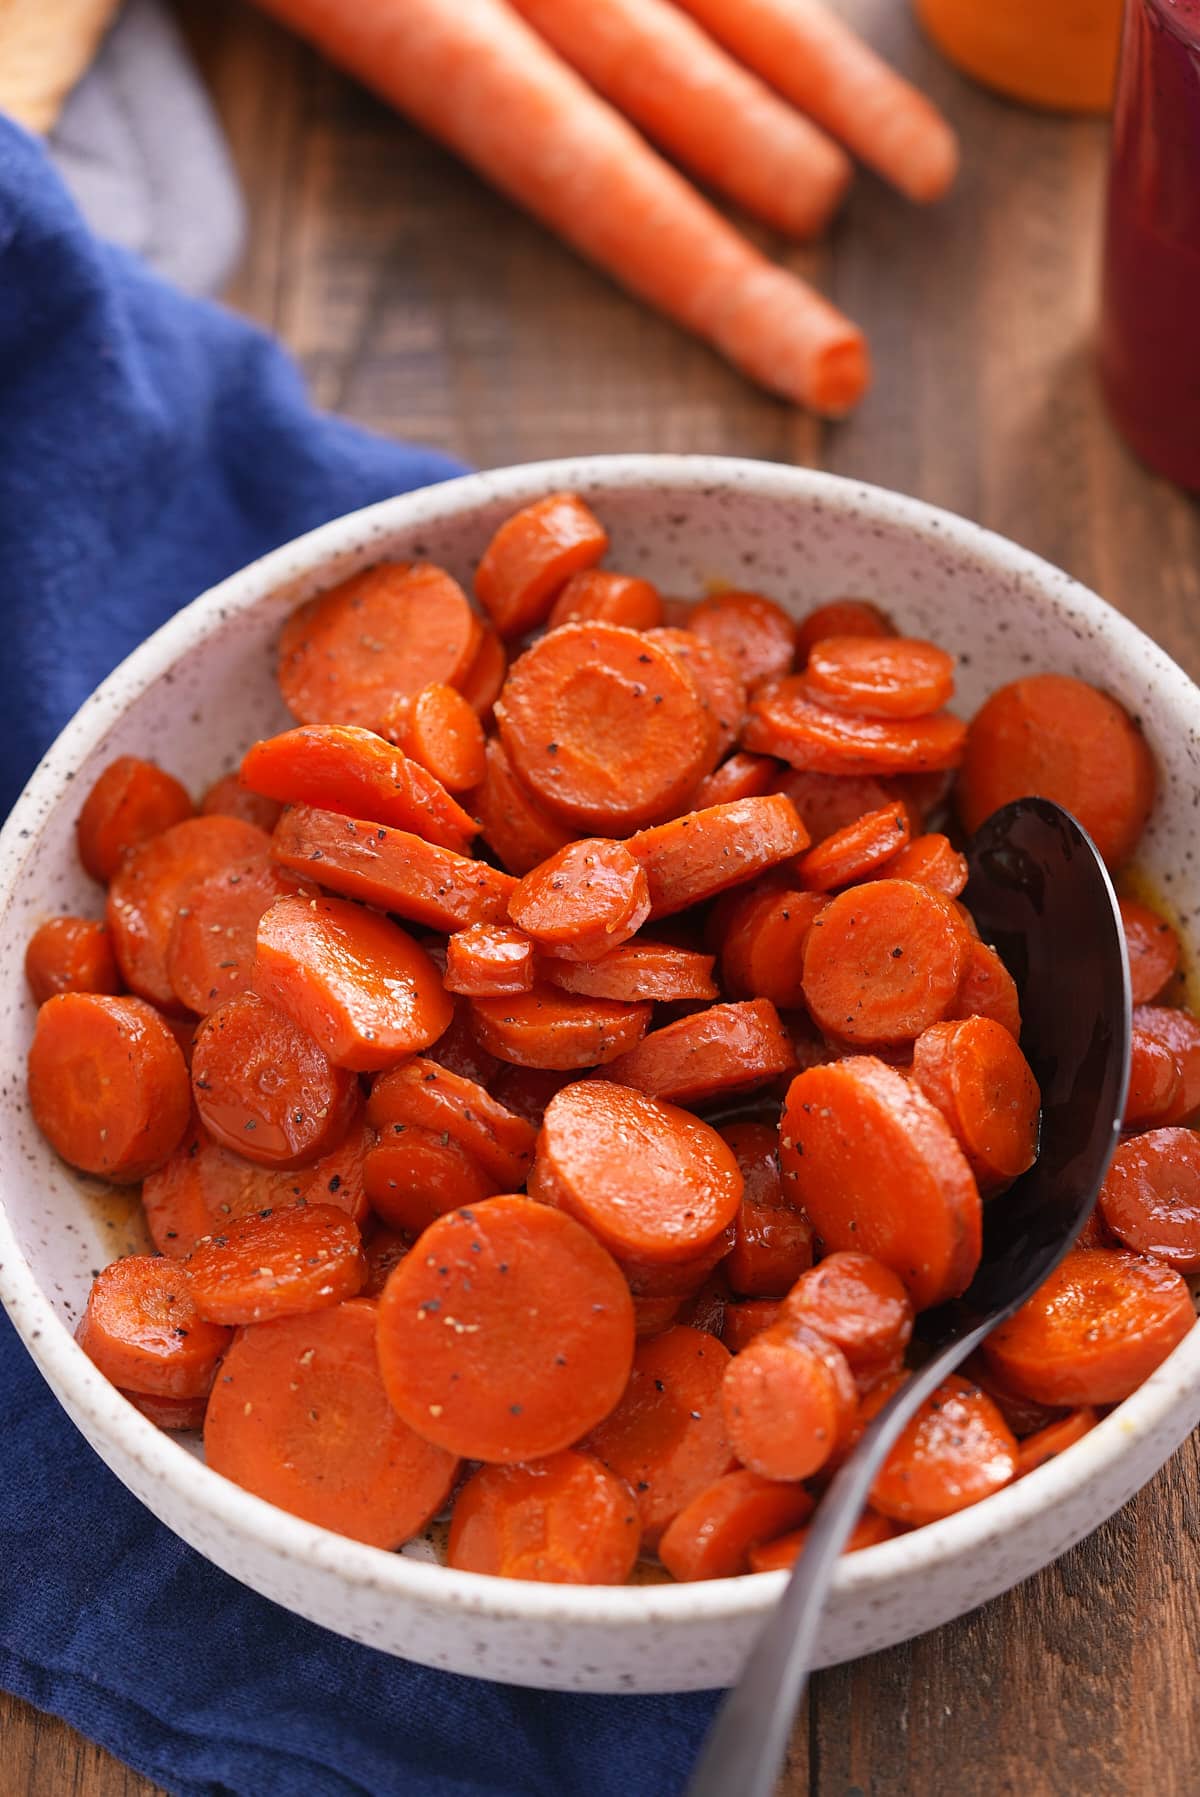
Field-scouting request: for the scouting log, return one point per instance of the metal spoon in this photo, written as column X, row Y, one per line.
column 1041, row 894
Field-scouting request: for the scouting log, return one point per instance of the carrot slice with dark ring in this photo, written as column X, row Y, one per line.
column 423, row 1093
column 565, row 1520
column 142, row 1328
column 725, row 1048
column 696, row 856
column 546, row 1027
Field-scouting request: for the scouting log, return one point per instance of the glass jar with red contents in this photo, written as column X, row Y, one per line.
column 1150, row 315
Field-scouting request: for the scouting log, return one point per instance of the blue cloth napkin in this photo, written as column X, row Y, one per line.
column 149, row 445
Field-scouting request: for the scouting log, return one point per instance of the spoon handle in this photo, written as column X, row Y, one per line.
column 746, row 1745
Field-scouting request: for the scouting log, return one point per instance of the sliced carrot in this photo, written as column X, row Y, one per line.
column 722, row 1049
column 652, row 1182
column 975, row 1074
column 457, row 1048
column 597, row 595
column 840, row 618
column 131, row 802
column 394, row 628
column 1155, row 1079
column 174, row 1414
column 489, row 960
column 280, row 1263
column 480, row 685
column 432, row 1097
column 757, row 636
column 855, row 852
column 790, row 1401
column 1180, row 1032
column 507, row 1333
column 513, row 824
column 565, row 1520
column 211, row 948
column 651, row 1316
column 748, row 1318
column 880, row 677
column 638, row 970
column 385, row 1250
column 228, row 797
column 714, row 1536
column 884, row 961
column 1061, row 739
column 1022, row 1415
column 987, row 989
column 299, row 1416
column 1054, row 1439
column 741, row 777
column 781, row 1554
column 666, row 1437
column 828, row 802
column 876, row 1169
column 414, row 1175
column 391, row 869
column 722, row 689
column 532, row 555
column 108, row 1085
column 604, row 726
column 1098, row 1326
column 931, row 861
column 773, row 1241
column 439, row 730
column 787, row 719
column 528, row 1090
column 1153, row 950
column 704, row 852
column 70, row 954
column 1150, row 1198
column 264, row 1088
column 588, row 898
column 142, row 1329
column 663, row 1278
column 956, row 1451
column 762, row 951
column 153, row 884
column 545, row 1027
column 859, row 1305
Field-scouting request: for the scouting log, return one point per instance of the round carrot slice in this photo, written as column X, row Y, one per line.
column 725, row 1048
column 480, row 685
column 131, row 802
column 715, row 1535
column 982, row 1084
column 840, row 618
column 826, row 803
column 773, row 1241
column 546, row 1027
column 142, row 1329
column 511, row 821
column 565, row 1520
column 636, row 971
column 357, row 983
column 748, row 1318
column 153, row 884
column 1180, row 1032
column 414, row 1175
column 661, row 1278
column 280, row 1263
column 393, row 628
column 787, row 719
column 1063, row 740
column 299, row 1416
column 604, row 726
column 876, row 1169
column 211, row 948
column 859, row 1305
column 651, row 1316
column 741, row 777
column 722, row 689
column 586, row 899
column 652, row 1182
column 1046, row 1444
column 385, row 1250
column 987, row 989
column 70, row 954
column 790, row 1401
column 228, row 797
column 1098, row 1326
column 881, row 677
column 265, row 1089
column 756, row 636
column 667, row 1435
column 781, row 1554
column 855, row 852
column 597, row 595
column 1150, row 1198
column 174, row 1414
column 1153, row 950
column 1021, row 1414
column 883, row 962
column 439, row 730
column 1154, row 1081
column 108, row 1084
column 956, row 1451
column 488, row 960
column 435, row 1098
column 696, row 856
column 507, row 1332
column 931, row 861
column 532, row 555
column 762, row 954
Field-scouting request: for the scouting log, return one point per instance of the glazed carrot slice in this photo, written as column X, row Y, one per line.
column 883, row 962
column 987, row 989
column 458, row 1049
column 1153, row 950
column 880, row 677
column 281, row 1263
column 532, row 555
column 725, row 1048
column 1046, row 1444
column 70, row 954
column 598, row 595
column 666, row 1437
column 652, row 1316
column 956, row 1451
column 1155, row 1079
column 360, row 986
column 343, row 768
column 439, row 730
column 142, row 1328
column 385, row 1250
column 1150, row 1198
column 696, row 856
column 664, row 1278
column 781, row 1554
column 856, row 852
column 488, row 960
column 174, row 1414
column 1063, row 740
column 860, row 1306
column 840, row 618
column 1180, row 1032
column 299, row 1416
column 391, row 869
column 507, row 1333
column 108, row 1085
column 414, row 1175
column 787, row 719
column 588, row 898
column 757, row 637
column 211, row 948
column 975, row 1074
column 714, row 1536
column 828, row 802
column 546, row 1027
column 513, row 824
column 741, row 777
column 393, row 628
column 639, row 970
column 154, row 882
column 565, row 1520
column 132, row 801
column 790, row 1401
column 743, row 1321
column 604, row 726
column 773, row 1242
column 265, row 1089
column 434, row 1098
column 762, row 949
column 227, row 797
column 528, row 1090
column 652, row 1182
column 931, row 861
column 1098, row 1326
column 876, row 1169
column 481, row 684
column 722, row 689
column 1022, row 1414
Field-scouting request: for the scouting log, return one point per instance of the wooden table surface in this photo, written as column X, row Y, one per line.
column 426, row 307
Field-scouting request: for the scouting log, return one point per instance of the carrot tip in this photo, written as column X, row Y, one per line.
column 841, row 376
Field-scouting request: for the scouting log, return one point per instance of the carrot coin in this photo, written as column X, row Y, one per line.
column 1153, row 950
column 597, row 595
column 931, row 861
column 227, row 797
column 880, row 677
column 741, row 777
column 715, row 1535
column 781, row 1554
column 790, row 1401
column 169, row 1413
column 434, row 1098
column 1021, row 1414
column 132, row 801
column 546, row 1027
column 1054, row 1439
column 957, row 1450
column 439, row 730
column 721, row 688
column 748, row 1318
column 211, row 948
column 264, row 1088
column 652, row 1316
column 725, row 1048
column 762, row 951
column 532, row 555
column 883, row 962
column 975, row 1074
column 773, row 1241
column 414, row 1175
column 142, row 1329
column 70, row 954
column 826, row 803
column 480, row 685
column 583, row 901
column 1155, row 1079
column 1180, row 1032
column 855, row 852
column 757, row 637
column 277, row 1264
column 987, row 989
column 840, row 618
column 788, row 720
column 488, row 960
column 513, row 824
column 565, row 1520
column 860, row 1306
column 1150, row 1198
column 638, row 970
column 696, row 856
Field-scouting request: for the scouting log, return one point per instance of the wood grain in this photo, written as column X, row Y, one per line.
column 423, row 305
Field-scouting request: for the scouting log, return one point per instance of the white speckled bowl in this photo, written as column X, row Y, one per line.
column 201, row 689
